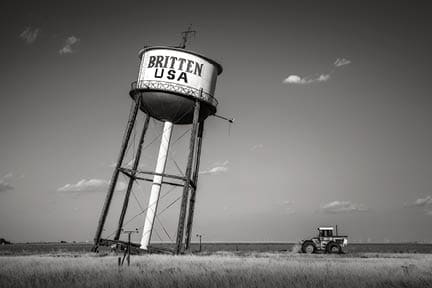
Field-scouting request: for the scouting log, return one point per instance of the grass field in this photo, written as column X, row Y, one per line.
column 222, row 269
column 56, row 247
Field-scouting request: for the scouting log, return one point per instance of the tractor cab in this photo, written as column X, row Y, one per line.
column 325, row 232
column 325, row 235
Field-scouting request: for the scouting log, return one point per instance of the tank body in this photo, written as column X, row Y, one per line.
column 171, row 79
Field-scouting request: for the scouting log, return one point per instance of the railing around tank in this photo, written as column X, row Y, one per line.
column 178, row 88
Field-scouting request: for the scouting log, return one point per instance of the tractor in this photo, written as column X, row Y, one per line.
column 327, row 242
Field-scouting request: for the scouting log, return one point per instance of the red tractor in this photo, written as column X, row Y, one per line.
column 327, row 242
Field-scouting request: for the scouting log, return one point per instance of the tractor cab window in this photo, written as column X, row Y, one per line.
column 325, row 233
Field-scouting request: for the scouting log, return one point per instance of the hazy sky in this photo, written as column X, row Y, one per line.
column 331, row 100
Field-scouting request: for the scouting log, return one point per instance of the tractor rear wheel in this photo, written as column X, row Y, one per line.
column 334, row 248
column 308, row 247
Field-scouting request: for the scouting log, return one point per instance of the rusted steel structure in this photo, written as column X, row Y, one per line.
column 175, row 86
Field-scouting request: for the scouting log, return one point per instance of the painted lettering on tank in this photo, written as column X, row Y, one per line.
column 182, row 61
column 170, row 75
column 198, row 69
column 176, row 63
column 189, row 66
column 160, row 75
column 159, row 60
column 151, row 62
column 173, row 59
column 182, row 77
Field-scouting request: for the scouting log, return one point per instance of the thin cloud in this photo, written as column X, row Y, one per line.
column 5, row 186
column 217, row 168
column 295, row 79
column 343, row 207
column 129, row 165
column 8, row 175
column 341, row 62
column 91, row 185
column 423, row 203
column 323, row 77
column 289, row 207
column 69, row 45
column 29, row 35
column 221, row 163
column 256, row 147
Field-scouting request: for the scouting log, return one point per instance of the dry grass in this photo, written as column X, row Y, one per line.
column 219, row 270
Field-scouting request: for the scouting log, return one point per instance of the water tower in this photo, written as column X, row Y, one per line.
column 175, row 86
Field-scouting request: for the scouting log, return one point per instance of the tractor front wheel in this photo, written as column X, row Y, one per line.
column 308, row 247
column 334, row 248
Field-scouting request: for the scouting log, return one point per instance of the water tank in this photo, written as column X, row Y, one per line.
column 171, row 79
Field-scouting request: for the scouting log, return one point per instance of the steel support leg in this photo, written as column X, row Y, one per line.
column 132, row 178
column 116, row 172
column 193, row 191
column 187, row 186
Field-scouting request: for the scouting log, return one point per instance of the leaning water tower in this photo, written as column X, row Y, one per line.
column 175, row 86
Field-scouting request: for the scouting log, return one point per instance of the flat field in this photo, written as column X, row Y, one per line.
column 238, row 248
column 220, row 269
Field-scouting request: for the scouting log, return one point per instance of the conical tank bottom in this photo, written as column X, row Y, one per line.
column 172, row 107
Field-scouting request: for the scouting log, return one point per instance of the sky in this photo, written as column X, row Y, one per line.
column 332, row 108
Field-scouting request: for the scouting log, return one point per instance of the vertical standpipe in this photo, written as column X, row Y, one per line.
column 156, row 186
